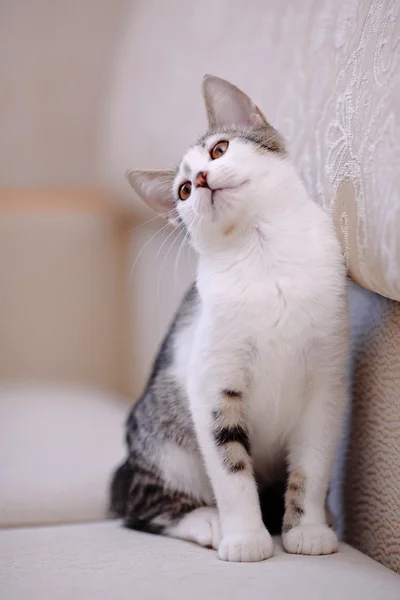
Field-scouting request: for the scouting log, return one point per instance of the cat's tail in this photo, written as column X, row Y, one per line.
column 120, row 486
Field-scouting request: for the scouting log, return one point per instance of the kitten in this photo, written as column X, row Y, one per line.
column 249, row 383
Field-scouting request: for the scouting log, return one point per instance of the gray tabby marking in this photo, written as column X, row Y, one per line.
column 139, row 493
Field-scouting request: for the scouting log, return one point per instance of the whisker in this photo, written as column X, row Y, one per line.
column 194, row 227
column 185, row 239
column 163, row 263
column 164, row 242
column 146, row 244
column 195, row 220
column 192, row 268
column 158, row 216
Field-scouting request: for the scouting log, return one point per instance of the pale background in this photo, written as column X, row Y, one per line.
column 91, row 88
column 68, row 121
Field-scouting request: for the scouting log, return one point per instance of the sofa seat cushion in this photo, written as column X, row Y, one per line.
column 105, row 561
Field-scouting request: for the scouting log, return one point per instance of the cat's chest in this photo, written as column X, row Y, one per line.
column 276, row 321
column 269, row 311
column 275, row 402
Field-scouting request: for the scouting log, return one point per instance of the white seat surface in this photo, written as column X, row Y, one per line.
column 104, row 561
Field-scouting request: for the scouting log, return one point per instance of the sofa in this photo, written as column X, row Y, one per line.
column 327, row 74
column 58, row 445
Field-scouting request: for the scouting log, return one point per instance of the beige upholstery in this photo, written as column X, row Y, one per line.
column 372, row 473
column 106, row 562
column 58, row 447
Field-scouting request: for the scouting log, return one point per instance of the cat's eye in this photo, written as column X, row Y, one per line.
column 185, row 190
column 219, row 149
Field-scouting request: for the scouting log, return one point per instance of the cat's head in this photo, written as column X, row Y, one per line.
column 223, row 183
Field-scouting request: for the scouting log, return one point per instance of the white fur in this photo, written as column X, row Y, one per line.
column 273, row 324
column 310, row 539
column 202, row 526
column 185, row 471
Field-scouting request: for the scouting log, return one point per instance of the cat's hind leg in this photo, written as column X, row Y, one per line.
column 201, row 525
column 154, row 508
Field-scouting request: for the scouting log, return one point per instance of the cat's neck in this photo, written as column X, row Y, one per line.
column 264, row 251
column 249, row 239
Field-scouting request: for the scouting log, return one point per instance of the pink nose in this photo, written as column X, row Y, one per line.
column 201, row 180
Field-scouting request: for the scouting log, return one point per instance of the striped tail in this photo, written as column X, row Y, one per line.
column 120, row 486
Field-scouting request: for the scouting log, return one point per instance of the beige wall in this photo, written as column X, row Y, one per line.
column 159, row 279
column 72, row 115
column 60, row 291
column 56, row 59
column 63, row 301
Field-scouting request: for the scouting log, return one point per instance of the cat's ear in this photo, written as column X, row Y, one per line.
column 155, row 188
column 228, row 106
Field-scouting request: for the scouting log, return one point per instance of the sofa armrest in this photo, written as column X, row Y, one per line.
column 372, row 471
column 58, row 447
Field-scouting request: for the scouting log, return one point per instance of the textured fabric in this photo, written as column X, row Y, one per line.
column 104, row 561
column 58, row 447
column 327, row 75
column 372, row 472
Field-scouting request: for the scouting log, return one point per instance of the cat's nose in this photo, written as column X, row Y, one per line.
column 201, row 180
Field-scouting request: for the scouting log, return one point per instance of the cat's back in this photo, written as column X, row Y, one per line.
column 162, row 411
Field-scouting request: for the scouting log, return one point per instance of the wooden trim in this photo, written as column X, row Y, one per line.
column 63, row 200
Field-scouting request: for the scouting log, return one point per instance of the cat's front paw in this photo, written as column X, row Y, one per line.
column 310, row 540
column 246, row 547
